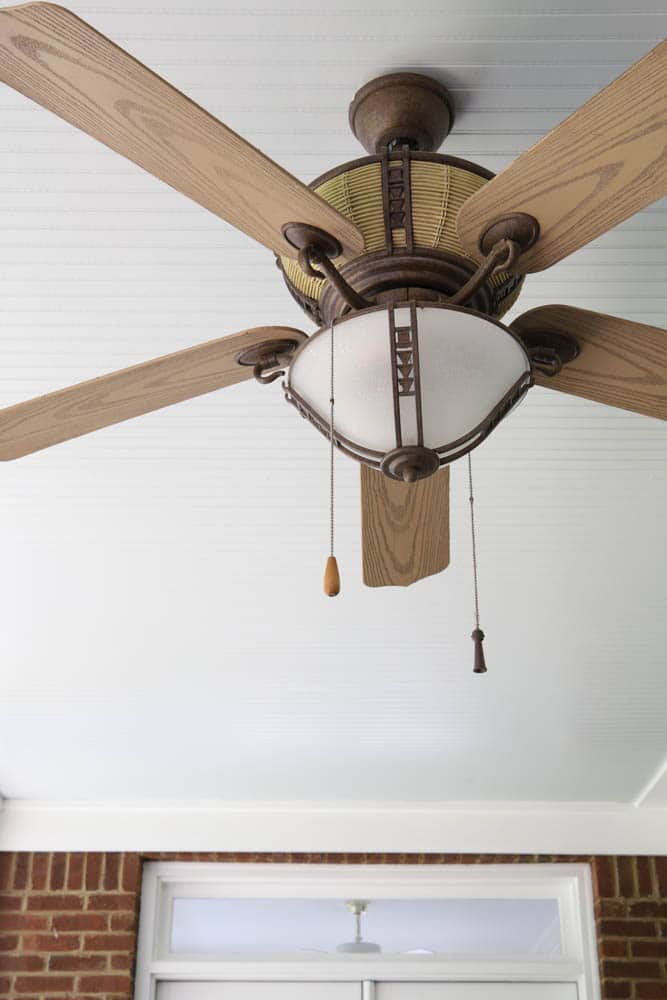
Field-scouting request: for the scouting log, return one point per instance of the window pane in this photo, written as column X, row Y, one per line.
column 261, row 991
column 395, row 926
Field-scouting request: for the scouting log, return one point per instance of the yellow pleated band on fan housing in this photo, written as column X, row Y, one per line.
column 438, row 191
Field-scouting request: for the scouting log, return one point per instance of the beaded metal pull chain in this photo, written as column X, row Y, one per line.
column 331, row 574
column 477, row 634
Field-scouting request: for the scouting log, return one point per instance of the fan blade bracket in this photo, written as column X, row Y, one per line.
column 316, row 250
column 302, row 236
column 549, row 350
column 519, row 227
column 268, row 356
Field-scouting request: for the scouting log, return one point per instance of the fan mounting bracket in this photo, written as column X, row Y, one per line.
column 549, row 350
column 266, row 357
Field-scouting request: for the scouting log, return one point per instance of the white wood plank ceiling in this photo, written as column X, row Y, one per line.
column 164, row 634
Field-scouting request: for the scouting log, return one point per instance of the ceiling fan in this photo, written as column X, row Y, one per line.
column 430, row 252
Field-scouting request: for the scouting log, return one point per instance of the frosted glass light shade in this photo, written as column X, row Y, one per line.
column 410, row 376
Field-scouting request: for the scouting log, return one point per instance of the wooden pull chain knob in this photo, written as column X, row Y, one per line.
column 331, row 578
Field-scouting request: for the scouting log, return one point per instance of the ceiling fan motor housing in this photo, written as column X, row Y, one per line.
column 405, row 203
column 404, row 198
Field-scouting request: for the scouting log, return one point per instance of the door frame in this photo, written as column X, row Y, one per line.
column 570, row 884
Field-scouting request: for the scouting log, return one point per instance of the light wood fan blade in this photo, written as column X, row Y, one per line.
column 620, row 363
column 602, row 164
column 404, row 528
column 62, row 63
column 69, row 413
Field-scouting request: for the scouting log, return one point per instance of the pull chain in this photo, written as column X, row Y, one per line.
column 331, row 574
column 331, row 445
column 477, row 634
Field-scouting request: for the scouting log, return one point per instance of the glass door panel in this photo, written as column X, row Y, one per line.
column 258, row 991
column 475, row 991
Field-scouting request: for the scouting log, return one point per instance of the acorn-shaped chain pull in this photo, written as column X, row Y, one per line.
column 477, row 634
column 331, row 574
column 331, row 578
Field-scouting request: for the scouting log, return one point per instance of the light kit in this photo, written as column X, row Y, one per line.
column 417, row 385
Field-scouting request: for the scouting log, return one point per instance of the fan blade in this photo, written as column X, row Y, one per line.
column 602, row 164
column 62, row 63
column 620, row 363
column 69, row 413
column 404, row 528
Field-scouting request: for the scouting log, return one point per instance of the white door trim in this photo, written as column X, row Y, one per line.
column 570, row 884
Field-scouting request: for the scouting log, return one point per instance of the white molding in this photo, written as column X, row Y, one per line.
column 570, row 884
column 489, row 828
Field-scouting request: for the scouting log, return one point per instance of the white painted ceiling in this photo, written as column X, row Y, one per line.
column 164, row 634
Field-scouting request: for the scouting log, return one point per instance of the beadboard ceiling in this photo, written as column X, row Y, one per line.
column 164, row 633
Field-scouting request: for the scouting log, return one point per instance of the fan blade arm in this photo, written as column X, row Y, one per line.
column 110, row 399
column 63, row 64
column 405, row 528
column 601, row 165
column 620, row 363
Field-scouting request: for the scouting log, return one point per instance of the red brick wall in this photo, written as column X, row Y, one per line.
column 68, row 921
